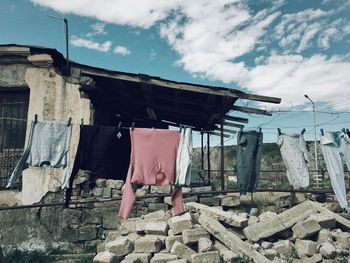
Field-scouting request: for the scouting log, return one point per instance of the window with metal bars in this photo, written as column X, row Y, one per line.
column 13, row 125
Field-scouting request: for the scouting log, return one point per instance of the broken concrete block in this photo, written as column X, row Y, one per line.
column 128, row 226
column 183, row 260
column 270, row 253
column 120, row 246
column 207, row 257
column 314, row 259
column 169, row 241
column 297, row 213
column 160, row 214
column 180, row 223
column 182, row 251
column 344, row 239
column 281, row 222
column 253, row 220
column 163, row 258
column 306, row 228
column 305, row 247
column 266, row 245
column 267, row 216
column 254, row 211
column 193, row 235
column 209, row 200
column 325, row 220
column 327, row 250
column 227, row 217
column 106, row 257
column 229, row 239
column 157, row 228
column 148, row 244
column 323, row 236
column 283, row 247
column 230, row 201
column 133, row 237
column 129, row 261
column 204, row 245
column 226, row 254
column 343, row 223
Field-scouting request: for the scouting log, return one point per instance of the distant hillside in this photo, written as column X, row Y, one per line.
column 271, row 157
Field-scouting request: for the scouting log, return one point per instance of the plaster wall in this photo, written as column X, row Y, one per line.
column 52, row 98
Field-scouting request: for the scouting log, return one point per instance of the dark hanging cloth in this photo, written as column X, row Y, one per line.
column 248, row 160
column 103, row 152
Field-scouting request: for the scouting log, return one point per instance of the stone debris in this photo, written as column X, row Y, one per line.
column 204, row 244
column 306, row 228
column 306, row 233
column 182, row 251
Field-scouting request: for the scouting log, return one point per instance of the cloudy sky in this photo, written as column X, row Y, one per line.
column 282, row 48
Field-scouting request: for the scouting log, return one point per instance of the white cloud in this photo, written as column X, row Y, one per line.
column 289, row 77
column 98, row 28
column 122, row 50
column 88, row 43
column 153, row 55
column 211, row 37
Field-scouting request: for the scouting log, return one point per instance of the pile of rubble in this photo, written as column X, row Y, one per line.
column 306, row 233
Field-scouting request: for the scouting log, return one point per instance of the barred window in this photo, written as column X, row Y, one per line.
column 13, row 124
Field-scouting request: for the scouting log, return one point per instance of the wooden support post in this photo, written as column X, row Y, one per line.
column 222, row 166
column 208, row 156
column 202, row 151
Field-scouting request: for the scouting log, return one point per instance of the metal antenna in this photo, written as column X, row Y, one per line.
column 65, row 20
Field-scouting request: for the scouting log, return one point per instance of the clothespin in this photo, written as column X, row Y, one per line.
column 259, row 129
column 322, row 132
column 180, row 128
column 132, row 125
column 35, row 118
column 82, row 121
column 303, row 131
column 69, row 121
column 343, row 130
column 279, row 131
column 119, row 134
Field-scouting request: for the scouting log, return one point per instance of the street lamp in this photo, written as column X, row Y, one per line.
column 314, row 111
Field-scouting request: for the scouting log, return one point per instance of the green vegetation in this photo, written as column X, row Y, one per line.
column 18, row 256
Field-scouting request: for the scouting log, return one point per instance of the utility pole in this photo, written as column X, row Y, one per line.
column 315, row 143
column 65, row 20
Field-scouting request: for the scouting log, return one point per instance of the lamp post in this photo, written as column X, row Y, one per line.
column 314, row 111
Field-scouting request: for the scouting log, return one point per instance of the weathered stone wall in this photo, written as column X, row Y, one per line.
column 52, row 98
column 81, row 227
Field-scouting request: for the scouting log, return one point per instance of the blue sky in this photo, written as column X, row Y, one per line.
column 282, row 48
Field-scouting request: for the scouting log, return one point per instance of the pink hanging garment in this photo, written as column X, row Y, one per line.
column 152, row 162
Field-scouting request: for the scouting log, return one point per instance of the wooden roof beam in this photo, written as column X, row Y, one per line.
column 235, row 125
column 219, row 91
column 219, row 134
column 251, row 110
column 226, row 130
column 237, row 119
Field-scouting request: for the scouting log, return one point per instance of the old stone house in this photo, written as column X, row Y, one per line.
column 40, row 81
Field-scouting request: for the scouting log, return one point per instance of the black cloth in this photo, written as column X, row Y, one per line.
column 103, row 153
